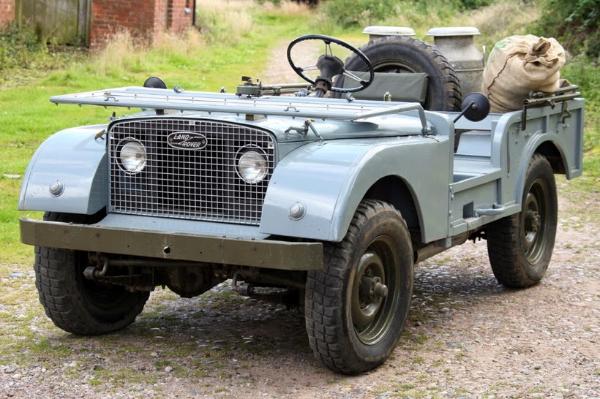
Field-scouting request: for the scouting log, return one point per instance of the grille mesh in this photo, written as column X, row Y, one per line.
column 200, row 184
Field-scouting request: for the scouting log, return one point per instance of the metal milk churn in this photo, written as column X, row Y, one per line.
column 458, row 46
column 375, row 32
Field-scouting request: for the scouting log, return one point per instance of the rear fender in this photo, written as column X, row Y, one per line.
column 566, row 135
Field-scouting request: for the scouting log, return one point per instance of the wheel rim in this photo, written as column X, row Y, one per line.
column 533, row 223
column 374, row 291
column 102, row 300
column 393, row 67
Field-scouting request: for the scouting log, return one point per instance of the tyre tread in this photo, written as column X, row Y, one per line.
column 60, row 299
column 322, row 325
column 504, row 246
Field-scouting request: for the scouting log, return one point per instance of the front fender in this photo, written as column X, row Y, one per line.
column 78, row 161
column 331, row 179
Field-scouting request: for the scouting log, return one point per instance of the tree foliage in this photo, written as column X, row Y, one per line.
column 575, row 22
column 348, row 13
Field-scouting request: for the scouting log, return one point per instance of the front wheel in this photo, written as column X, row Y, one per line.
column 75, row 304
column 520, row 246
column 355, row 309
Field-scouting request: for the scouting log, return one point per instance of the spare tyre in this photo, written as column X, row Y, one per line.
column 404, row 54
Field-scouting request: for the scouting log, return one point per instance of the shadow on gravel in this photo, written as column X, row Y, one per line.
column 224, row 333
column 440, row 291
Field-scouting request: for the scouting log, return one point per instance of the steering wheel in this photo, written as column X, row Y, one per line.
column 329, row 66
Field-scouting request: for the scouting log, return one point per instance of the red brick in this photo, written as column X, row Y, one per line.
column 142, row 18
column 7, row 12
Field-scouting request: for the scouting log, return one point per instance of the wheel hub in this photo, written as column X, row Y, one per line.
column 533, row 222
column 369, row 291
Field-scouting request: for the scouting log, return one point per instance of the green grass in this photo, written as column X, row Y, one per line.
column 584, row 73
column 27, row 117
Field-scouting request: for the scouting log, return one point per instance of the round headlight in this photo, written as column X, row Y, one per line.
column 133, row 157
column 252, row 166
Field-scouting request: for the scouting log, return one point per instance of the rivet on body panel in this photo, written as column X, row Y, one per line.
column 297, row 211
column 57, row 188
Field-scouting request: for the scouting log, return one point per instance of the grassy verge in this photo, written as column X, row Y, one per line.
column 191, row 62
column 581, row 71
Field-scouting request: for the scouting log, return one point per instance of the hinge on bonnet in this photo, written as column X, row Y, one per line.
column 100, row 134
column 303, row 130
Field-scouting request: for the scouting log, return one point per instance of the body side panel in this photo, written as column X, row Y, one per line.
column 513, row 148
column 493, row 185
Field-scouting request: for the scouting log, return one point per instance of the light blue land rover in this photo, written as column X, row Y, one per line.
column 334, row 193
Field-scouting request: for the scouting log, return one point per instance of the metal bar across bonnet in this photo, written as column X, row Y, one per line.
column 306, row 107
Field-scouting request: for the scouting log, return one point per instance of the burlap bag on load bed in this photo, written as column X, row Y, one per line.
column 519, row 65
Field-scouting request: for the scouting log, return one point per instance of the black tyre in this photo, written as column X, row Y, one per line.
column 77, row 305
column 356, row 308
column 405, row 54
column 520, row 246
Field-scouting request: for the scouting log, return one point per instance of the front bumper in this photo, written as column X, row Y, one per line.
column 269, row 254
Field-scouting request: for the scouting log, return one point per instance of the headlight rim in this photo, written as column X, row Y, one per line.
column 121, row 145
column 260, row 151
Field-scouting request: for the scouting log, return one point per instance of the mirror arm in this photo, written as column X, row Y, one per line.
column 464, row 110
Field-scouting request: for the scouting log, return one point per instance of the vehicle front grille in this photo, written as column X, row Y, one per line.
column 200, row 184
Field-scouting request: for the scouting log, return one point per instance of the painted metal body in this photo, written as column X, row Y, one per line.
column 329, row 173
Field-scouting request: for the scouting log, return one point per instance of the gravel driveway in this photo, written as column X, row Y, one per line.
column 467, row 336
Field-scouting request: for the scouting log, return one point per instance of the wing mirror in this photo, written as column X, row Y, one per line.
column 155, row 83
column 475, row 107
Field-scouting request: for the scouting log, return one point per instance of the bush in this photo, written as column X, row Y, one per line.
column 349, row 13
column 225, row 21
column 19, row 47
column 574, row 22
column 21, row 50
column 472, row 4
column 352, row 13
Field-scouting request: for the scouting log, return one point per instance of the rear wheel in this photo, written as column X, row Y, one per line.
column 356, row 308
column 520, row 246
column 72, row 302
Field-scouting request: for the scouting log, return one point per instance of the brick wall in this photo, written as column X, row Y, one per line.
column 179, row 15
column 7, row 12
column 142, row 18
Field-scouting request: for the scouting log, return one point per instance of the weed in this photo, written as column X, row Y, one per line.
column 225, row 21
column 23, row 56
